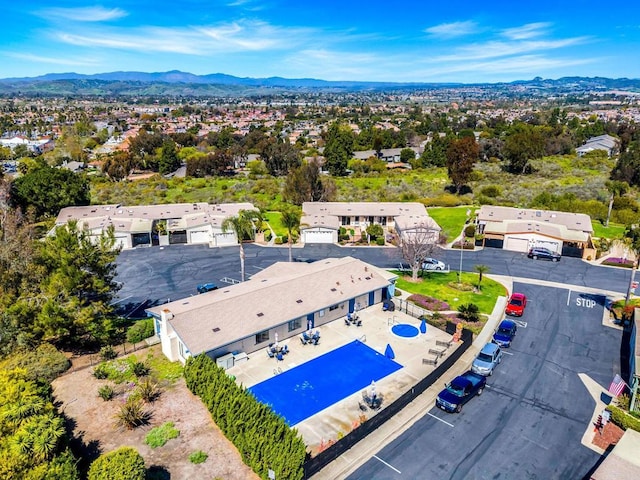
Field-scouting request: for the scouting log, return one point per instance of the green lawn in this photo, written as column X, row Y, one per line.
column 437, row 285
column 610, row 232
column 274, row 220
column 450, row 219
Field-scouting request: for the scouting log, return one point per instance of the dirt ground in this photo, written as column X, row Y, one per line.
column 94, row 425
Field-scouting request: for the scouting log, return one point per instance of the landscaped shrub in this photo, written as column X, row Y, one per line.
column 469, row 312
column 623, row 419
column 267, row 236
column 159, row 436
column 123, row 463
column 428, row 303
column 470, row 231
column 106, row 392
column 278, row 241
column 43, row 363
column 380, row 241
column 100, row 372
column 148, row 390
column 198, row 457
column 132, row 414
column 262, row 437
column 108, row 353
column 491, row 191
column 140, row 330
column 139, row 369
column 618, row 262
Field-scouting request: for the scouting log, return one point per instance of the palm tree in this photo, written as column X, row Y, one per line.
column 244, row 226
column 616, row 189
column 291, row 221
column 481, row 269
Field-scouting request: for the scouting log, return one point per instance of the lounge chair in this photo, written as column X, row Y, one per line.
column 285, row 349
column 270, row 353
column 279, row 357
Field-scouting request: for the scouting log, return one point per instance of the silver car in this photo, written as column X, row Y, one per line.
column 432, row 264
column 487, row 360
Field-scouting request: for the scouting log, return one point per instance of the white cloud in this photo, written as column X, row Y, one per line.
column 53, row 60
column 83, row 14
column 453, row 30
column 206, row 40
column 527, row 31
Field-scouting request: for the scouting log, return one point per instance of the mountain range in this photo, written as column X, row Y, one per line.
column 175, row 82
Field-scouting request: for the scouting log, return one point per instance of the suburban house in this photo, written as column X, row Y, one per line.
column 602, row 142
column 178, row 223
column 321, row 221
column 35, row 146
column 520, row 229
column 389, row 155
column 279, row 302
column 622, row 461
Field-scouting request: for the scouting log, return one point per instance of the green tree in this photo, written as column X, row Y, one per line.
column 243, row 225
column 481, row 269
column 632, row 242
column 118, row 165
column 125, row 463
column 615, row 189
column 407, row 155
column 306, row 184
column 291, row 221
column 280, row 157
column 523, row 144
column 338, row 149
column 169, row 161
column 627, row 168
column 461, row 156
column 48, row 190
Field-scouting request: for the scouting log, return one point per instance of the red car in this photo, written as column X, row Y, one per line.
column 516, row 304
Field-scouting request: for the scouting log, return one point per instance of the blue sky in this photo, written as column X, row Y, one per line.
column 425, row 41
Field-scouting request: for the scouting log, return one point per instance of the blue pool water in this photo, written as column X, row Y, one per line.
column 303, row 391
column 405, row 330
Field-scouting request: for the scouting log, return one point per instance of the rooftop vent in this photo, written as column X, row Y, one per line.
column 216, row 329
column 333, row 290
column 260, row 314
column 298, row 301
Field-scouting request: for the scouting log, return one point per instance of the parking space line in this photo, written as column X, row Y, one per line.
column 507, row 353
column 568, row 297
column 443, row 421
column 521, row 323
column 388, row 465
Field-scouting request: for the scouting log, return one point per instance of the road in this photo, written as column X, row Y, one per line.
column 530, row 419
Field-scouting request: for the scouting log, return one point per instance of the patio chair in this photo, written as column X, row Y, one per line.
column 279, row 357
column 359, row 323
column 270, row 353
column 347, row 322
column 285, row 349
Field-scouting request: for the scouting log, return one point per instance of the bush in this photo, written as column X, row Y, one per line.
column 106, row 392
column 101, row 372
column 44, row 363
column 140, row 330
column 469, row 312
column 428, row 303
column 108, row 353
column 491, row 191
column 198, row 457
column 132, row 414
column 623, row 419
column 278, row 241
column 380, row 241
column 159, row 436
column 148, row 390
column 139, row 369
column 267, row 236
column 123, row 463
column 470, row 231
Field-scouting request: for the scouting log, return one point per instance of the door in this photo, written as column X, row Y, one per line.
column 516, row 244
column 310, row 321
column 199, row 236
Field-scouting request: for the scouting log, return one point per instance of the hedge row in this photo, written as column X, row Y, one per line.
column 262, row 437
column 623, row 419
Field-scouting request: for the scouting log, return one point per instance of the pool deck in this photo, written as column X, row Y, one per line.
column 375, row 331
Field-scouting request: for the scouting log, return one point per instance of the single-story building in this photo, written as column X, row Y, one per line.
column 178, row 223
column 321, row 221
column 602, row 142
column 281, row 301
column 520, row 229
column 35, row 146
column 623, row 462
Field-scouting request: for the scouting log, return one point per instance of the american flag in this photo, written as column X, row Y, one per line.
column 617, row 385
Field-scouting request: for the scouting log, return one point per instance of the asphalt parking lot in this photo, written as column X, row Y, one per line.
column 529, row 422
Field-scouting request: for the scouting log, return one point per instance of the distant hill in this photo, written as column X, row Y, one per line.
column 176, row 82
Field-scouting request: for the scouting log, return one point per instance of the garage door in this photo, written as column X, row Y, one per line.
column 223, row 239
column 199, row 236
column 122, row 241
column 318, row 236
column 553, row 246
column 516, row 244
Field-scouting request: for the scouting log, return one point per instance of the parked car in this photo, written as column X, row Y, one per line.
column 544, row 254
column 516, row 304
column 460, row 391
column 487, row 360
column 206, row 287
column 432, row 264
column 505, row 333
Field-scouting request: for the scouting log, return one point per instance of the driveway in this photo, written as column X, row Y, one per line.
column 531, row 418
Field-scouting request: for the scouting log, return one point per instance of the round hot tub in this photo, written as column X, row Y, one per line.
column 405, row 330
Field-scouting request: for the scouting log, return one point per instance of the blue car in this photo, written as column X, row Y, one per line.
column 505, row 333
column 206, row 287
column 487, row 360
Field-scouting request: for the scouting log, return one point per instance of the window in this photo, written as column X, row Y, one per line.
column 334, row 307
column 184, row 353
column 295, row 324
column 321, row 313
column 262, row 336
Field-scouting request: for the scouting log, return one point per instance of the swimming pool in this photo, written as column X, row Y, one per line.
column 303, row 391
